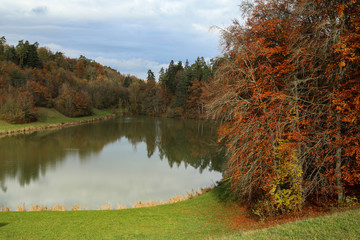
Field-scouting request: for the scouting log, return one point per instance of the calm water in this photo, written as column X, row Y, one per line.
column 120, row 161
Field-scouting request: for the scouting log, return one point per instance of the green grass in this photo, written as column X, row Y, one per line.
column 198, row 218
column 203, row 217
column 343, row 225
column 51, row 116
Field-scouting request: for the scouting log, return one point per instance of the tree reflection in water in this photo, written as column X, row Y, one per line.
column 26, row 157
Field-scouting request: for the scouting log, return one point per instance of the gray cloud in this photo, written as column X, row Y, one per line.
column 151, row 30
column 40, row 10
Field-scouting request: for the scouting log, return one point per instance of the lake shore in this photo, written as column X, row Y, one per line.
column 51, row 119
column 201, row 217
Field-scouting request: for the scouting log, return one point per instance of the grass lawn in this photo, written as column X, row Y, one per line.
column 203, row 217
column 51, row 116
column 342, row 225
column 198, row 218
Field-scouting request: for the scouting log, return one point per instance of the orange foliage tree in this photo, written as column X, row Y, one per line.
column 285, row 92
column 196, row 99
column 17, row 106
column 73, row 104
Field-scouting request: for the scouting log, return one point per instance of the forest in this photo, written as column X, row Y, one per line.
column 33, row 76
column 286, row 92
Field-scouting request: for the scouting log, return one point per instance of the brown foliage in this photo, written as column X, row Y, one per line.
column 73, row 104
column 46, row 82
column 17, row 106
column 288, row 81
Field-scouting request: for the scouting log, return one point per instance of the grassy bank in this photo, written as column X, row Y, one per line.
column 51, row 117
column 203, row 217
column 197, row 218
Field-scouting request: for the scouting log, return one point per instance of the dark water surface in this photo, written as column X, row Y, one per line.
column 120, row 161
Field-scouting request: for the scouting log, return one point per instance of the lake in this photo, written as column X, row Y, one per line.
column 119, row 161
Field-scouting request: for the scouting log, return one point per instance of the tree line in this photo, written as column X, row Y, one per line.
column 180, row 91
column 287, row 93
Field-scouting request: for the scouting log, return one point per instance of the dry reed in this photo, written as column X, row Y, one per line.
column 187, row 196
column 119, row 207
column 38, row 208
column 141, row 204
column 4, row 209
column 175, row 199
column 106, row 206
column 21, row 208
column 76, row 208
column 58, row 207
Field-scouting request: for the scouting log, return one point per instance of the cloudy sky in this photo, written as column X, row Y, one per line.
column 131, row 36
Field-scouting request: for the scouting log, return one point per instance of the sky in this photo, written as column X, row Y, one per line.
column 131, row 36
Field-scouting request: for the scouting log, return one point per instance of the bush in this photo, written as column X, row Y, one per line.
column 105, row 94
column 73, row 104
column 264, row 209
column 175, row 112
column 286, row 189
column 17, row 107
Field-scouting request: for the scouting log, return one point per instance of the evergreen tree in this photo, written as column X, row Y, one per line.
column 150, row 76
column 127, row 82
column 10, row 55
column 182, row 90
column 2, row 45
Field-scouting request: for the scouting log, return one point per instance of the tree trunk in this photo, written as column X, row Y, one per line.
column 339, row 186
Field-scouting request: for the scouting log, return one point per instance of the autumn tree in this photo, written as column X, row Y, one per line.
column 73, row 103
column 250, row 99
column 280, row 93
column 80, row 68
column 17, row 106
column 136, row 96
column 347, row 96
column 320, row 77
column 195, row 102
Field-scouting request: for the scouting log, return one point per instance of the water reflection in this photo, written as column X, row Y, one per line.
column 26, row 158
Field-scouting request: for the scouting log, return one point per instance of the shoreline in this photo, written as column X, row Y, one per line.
column 31, row 129
column 107, row 205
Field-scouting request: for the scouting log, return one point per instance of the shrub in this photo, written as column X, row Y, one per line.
column 73, row 104
column 286, row 189
column 40, row 93
column 175, row 112
column 17, row 107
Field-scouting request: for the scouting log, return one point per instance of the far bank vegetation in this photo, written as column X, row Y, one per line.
column 33, row 76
